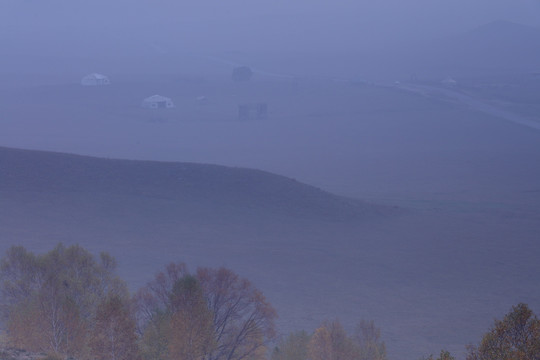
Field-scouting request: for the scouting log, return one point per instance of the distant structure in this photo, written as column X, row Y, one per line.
column 242, row 73
column 257, row 111
column 95, row 79
column 157, row 102
column 449, row 82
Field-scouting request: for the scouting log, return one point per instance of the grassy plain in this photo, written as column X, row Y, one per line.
column 461, row 248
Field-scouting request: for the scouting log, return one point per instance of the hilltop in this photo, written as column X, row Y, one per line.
column 211, row 186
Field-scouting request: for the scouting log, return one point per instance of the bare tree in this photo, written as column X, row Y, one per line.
column 242, row 321
column 155, row 298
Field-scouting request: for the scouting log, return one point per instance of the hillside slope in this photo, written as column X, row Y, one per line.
column 215, row 186
column 430, row 279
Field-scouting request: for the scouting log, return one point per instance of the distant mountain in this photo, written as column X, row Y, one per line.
column 237, row 189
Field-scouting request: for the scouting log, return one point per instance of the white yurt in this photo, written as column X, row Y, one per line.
column 95, row 79
column 157, row 102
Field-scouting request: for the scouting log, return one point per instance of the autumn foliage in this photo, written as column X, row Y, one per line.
column 212, row 315
column 50, row 301
column 516, row 337
column 68, row 303
column 113, row 334
column 330, row 341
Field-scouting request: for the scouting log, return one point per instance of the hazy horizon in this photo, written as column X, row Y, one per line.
column 45, row 27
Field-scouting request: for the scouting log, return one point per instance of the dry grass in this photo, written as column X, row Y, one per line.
column 431, row 278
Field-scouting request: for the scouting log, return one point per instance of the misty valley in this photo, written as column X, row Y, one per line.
column 260, row 199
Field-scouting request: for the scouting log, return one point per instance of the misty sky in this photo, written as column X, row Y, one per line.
column 271, row 25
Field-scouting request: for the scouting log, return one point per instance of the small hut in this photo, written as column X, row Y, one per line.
column 95, row 79
column 157, row 102
column 257, row 111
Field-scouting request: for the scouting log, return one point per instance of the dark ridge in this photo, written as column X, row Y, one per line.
column 236, row 188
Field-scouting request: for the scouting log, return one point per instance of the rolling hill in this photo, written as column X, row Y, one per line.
column 213, row 186
column 431, row 278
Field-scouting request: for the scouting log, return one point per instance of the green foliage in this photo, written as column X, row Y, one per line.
column 186, row 293
column 516, row 337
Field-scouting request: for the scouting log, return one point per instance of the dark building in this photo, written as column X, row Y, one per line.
column 256, row 111
column 242, row 73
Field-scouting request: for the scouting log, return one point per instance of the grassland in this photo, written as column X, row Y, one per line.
column 461, row 250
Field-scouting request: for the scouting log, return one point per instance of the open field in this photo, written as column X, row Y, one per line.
column 462, row 248
column 354, row 140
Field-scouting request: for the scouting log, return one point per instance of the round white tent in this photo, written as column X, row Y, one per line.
column 157, row 102
column 95, row 79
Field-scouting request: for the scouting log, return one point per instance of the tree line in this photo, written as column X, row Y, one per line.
column 68, row 303
column 330, row 341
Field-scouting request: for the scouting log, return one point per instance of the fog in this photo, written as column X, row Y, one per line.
column 35, row 34
column 423, row 114
column 278, row 25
